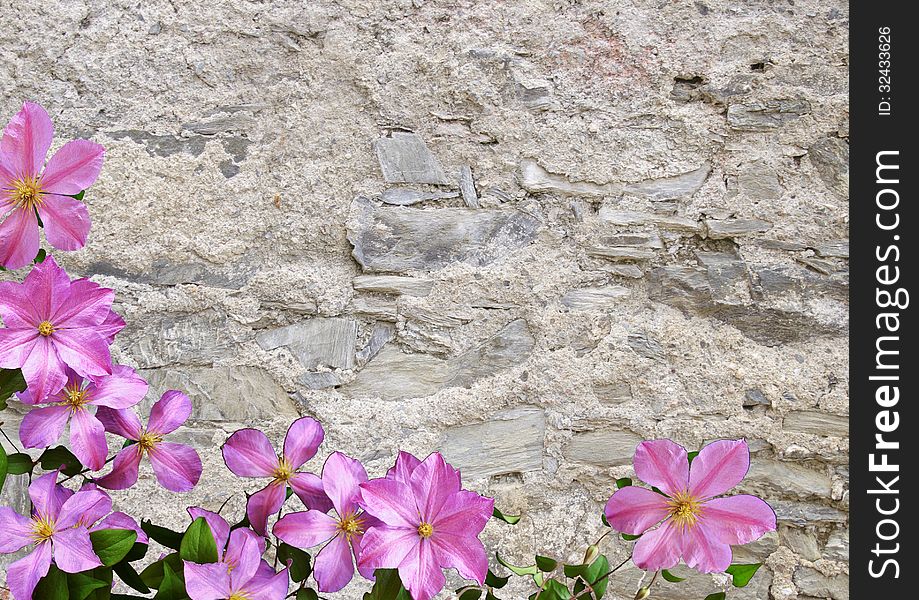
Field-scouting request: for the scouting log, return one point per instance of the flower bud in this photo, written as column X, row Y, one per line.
column 593, row 551
column 643, row 593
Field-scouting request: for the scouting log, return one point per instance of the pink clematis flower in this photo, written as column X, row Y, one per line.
column 26, row 190
column 54, row 530
column 99, row 517
column 240, row 571
column 43, row 426
column 177, row 467
column 52, row 323
column 249, row 453
column 693, row 524
column 333, row 568
column 429, row 524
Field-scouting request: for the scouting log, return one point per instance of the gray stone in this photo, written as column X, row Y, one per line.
column 467, row 187
column 802, row 542
column 628, row 246
column 806, row 514
column 237, row 122
column 833, row 248
column 405, row 158
column 766, row 116
column 823, row 267
column 320, row 380
column 382, row 333
column 757, row 551
column 621, row 253
column 595, row 298
column 755, row 398
column 396, row 375
column 612, row 393
column 393, row 284
column 534, row 178
column 15, row 495
column 837, row 545
column 238, row 394
column 317, row 342
column 758, row 181
column 729, row 228
column 695, row 586
column 198, row 339
column 629, row 218
column 646, row 346
column 812, row 582
column 816, row 423
column 403, row 239
column 407, row 197
column 509, row 347
column 780, row 478
column 830, row 156
column 508, row 442
column 375, row 308
column 628, row 271
column 683, row 185
column 728, row 279
column 605, row 448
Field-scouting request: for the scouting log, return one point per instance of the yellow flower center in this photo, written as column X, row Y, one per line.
column 45, row 328
column 74, row 397
column 42, row 529
column 26, row 193
column 239, row 596
column 283, row 472
column 351, row 524
column 425, row 530
column 685, row 510
column 148, row 441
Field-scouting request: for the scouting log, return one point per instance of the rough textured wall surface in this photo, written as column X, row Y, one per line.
column 528, row 234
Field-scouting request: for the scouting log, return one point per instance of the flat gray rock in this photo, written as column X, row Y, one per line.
column 325, row 342
column 508, row 442
column 766, row 116
column 405, row 158
column 407, row 197
column 402, row 239
column 729, row 228
column 393, row 284
column 605, row 447
column 614, row 216
column 683, row 185
column 816, row 423
column 595, row 298
column 830, row 156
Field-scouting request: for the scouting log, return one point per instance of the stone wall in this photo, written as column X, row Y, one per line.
column 528, row 234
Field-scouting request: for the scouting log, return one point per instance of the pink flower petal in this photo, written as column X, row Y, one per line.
column 123, row 422
column 333, row 568
column 209, row 581
column 122, row 389
column 46, row 495
column 66, row 222
column 112, row 324
column 264, row 587
column 309, row 490
column 17, row 530
column 83, row 505
column 302, row 441
column 16, row 307
column 664, row 464
column 16, row 346
column 738, row 519
column 87, row 439
column 81, row 304
column 73, row 552
column 466, row 554
column 264, row 503
column 41, row 427
column 390, row 501
column 718, row 468
column 306, row 529
column 357, row 543
column 420, row 572
column 405, row 465
column 26, row 140
column 433, row 482
column 633, row 510
column 177, row 467
column 124, row 472
column 248, row 453
column 244, row 555
column 219, row 526
column 341, row 476
column 19, row 241
column 83, row 350
column 659, row 548
column 385, row 547
column 73, row 168
column 43, row 369
column 169, row 412
column 464, row 513
column 23, row 575
column 702, row 552
column 120, row 520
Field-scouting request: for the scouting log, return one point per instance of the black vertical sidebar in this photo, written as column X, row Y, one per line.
column 883, row 241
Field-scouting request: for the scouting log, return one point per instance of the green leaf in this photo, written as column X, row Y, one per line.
column 668, row 576
column 307, row 594
column 553, row 590
column 153, row 575
column 4, row 466
column 473, row 593
column 125, row 597
column 60, row 458
column 111, row 545
column 90, row 585
column 690, row 456
column 658, row 491
column 623, row 482
column 130, row 577
column 492, row 580
column 11, row 381
column 509, row 519
column 172, row 588
column 40, row 257
column 546, row 564
column 490, row 596
column 138, row 551
column 591, row 574
column 52, row 586
column 531, row 570
column 603, row 518
column 387, row 586
column 629, row 537
column 80, row 195
column 741, row 574
column 198, row 543
column 19, row 463
column 167, row 537
column 300, row 567
column 716, row 596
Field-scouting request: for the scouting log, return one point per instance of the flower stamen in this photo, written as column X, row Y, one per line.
column 74, row 396
column 148, row 441
column 26, row 193
column 42, row 529
column 685, row 510
column 45, row 328
column 351, row 525
column 283, row 472
column 425, row 530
